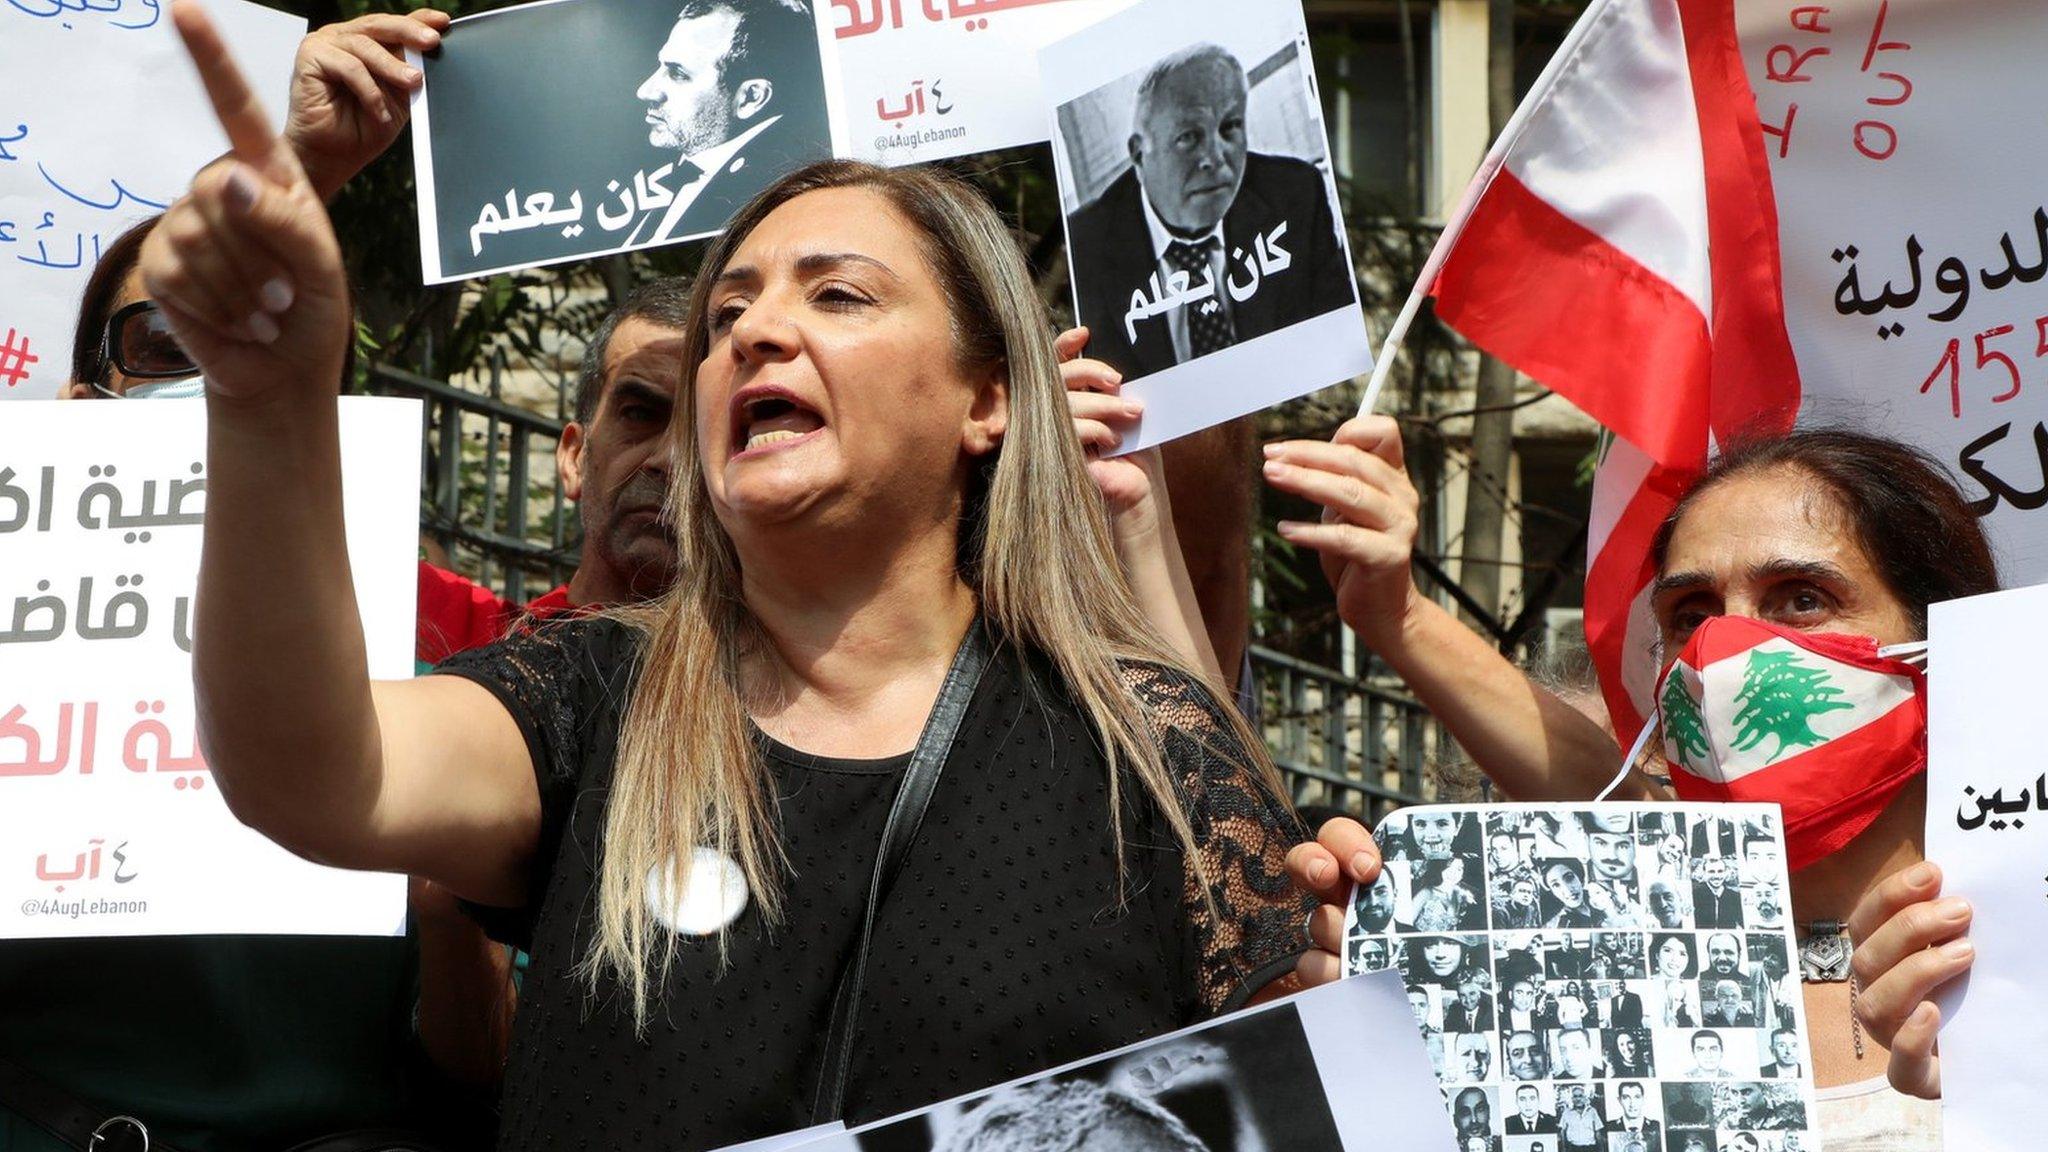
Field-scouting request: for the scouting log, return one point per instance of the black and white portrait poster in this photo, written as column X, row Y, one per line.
column 1334, row 1069
column 576, row 128
column 1619, row 977
column 1209, row 259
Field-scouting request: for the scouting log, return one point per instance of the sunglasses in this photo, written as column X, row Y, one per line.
column 139, row 343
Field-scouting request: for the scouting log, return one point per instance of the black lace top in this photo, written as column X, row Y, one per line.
column 1007, row 946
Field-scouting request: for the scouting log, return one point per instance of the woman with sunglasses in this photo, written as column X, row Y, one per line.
column 123, row 347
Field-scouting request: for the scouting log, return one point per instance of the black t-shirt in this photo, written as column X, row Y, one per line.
column 1007, row 945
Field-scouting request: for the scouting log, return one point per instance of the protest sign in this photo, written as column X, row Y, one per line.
column 1334, row 1069
column 1987, row 826
column 109, row 822
column 102, row 124
column 1597, row 974
column 1906, row 156
column 932, row 79
column 1209, row 260
column 575, row 128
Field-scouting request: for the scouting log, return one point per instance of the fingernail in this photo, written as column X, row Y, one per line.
column 276, row 294
column 412, row 75
column 1273, row 451
column 1921, row 875
column 1954, row 908
column 1273, row 469
column 1361, row 865
column 383, row 112
column 241, row 189
column 1134, row 407
column 1318, row 872
column 1958, row 950
column 262, row 327
column 1289, row 527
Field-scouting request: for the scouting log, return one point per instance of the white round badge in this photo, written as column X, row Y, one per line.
column 712, row 897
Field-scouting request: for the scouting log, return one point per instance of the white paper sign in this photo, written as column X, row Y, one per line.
column 931, row 79
column 1334, row 1069
column 1987, row 826
column 102, row 123
column 1616, row 976
column 1909, row 162
column 110, row 824
column 1210, row 267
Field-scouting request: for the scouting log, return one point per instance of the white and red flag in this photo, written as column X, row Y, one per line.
column 1620, row 246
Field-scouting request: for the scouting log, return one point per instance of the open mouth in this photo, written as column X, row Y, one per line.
column 767, row 418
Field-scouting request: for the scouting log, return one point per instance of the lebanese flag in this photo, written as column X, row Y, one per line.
column 1750, row 715
column 1619, row 245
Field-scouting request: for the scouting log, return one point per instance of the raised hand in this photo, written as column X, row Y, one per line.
column 245, row 265
column 1908, row 943
column 1367, row 533
column 351, row 91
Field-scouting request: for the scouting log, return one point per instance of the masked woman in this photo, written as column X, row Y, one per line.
column 894, row 796
column 1824, row 547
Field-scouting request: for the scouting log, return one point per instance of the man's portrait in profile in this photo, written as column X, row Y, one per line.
column 730, row 93
column 562, row 131
column 1192, row 234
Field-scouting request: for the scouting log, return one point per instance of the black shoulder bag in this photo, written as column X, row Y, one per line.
column 913, row 796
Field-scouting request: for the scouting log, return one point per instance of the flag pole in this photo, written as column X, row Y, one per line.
column 1490, row 167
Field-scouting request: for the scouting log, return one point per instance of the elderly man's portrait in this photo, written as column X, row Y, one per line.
column 1201, row 213
column 1249, row 1085
column 569, row 130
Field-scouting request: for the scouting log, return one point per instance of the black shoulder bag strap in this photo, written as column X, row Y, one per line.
column 913, row 796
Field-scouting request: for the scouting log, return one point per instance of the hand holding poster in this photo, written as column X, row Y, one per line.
column 1987, row 827
column 1209, row 263
column 1615, row 977
column 104, row 124
column 109, row 822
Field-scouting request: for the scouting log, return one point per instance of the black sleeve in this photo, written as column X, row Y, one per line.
column 564, row 687
column 1248, row 921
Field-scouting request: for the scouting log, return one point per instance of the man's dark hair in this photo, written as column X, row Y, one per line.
column 777, row 39
column 665, row 302
column 1707, row 1034
column 1904, row 508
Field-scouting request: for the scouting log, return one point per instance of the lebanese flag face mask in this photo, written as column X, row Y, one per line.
column 1822, row 725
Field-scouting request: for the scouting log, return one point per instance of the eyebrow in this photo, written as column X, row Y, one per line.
column 631, row 389
column 1818, row 571
column 806, row 266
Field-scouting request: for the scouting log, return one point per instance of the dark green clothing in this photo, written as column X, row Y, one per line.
column 215, row 1042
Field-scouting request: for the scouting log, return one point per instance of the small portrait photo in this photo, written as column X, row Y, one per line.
column 1688, row 1105
column 1526, row 1005
column 1636, row 1115
column 1667, row 903
column 1431, row 834
column 1566, row 954
column 1470, row 1008
column 1422, row 1005
column 1531, row 1111
column 1785, row 1055
column 1716, row 875
column 1515, row 902
column 1526, row 1054
column 1581, row 1114
column 1706, row 1053
column 1689, row 1139
column 1475, row 1110
column 1576, row 1054
column 1617, row 1003
column 1471, row 1056
column 1724, row 1003
column 1506, row 848
column 1564, row 899
column 1618, row 956
column 1365, row 954
column 1552, row 835
column 1570, row 1004
column 1674, row 956
column 1531, row 1143
column 1758, row 1106
column 1201, row 213
column 1478, row 1142
column 1373, row 906
column 1442, row 961
column 1250, row 1082
column 1441, row 895
column 1629, row 1052
column 550, row 132
column 1611, row 846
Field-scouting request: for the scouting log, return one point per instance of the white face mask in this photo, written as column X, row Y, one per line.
column 187, row 388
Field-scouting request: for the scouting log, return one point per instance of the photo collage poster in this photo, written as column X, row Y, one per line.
column 1611, row 977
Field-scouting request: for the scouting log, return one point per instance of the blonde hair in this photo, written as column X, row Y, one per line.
column 1034, row 546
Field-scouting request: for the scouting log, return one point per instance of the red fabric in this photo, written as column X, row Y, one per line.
column 457, row 614
column 1615, row 576
column 1551, row 297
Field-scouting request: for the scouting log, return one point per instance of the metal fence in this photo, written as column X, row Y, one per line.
column 489, row 492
